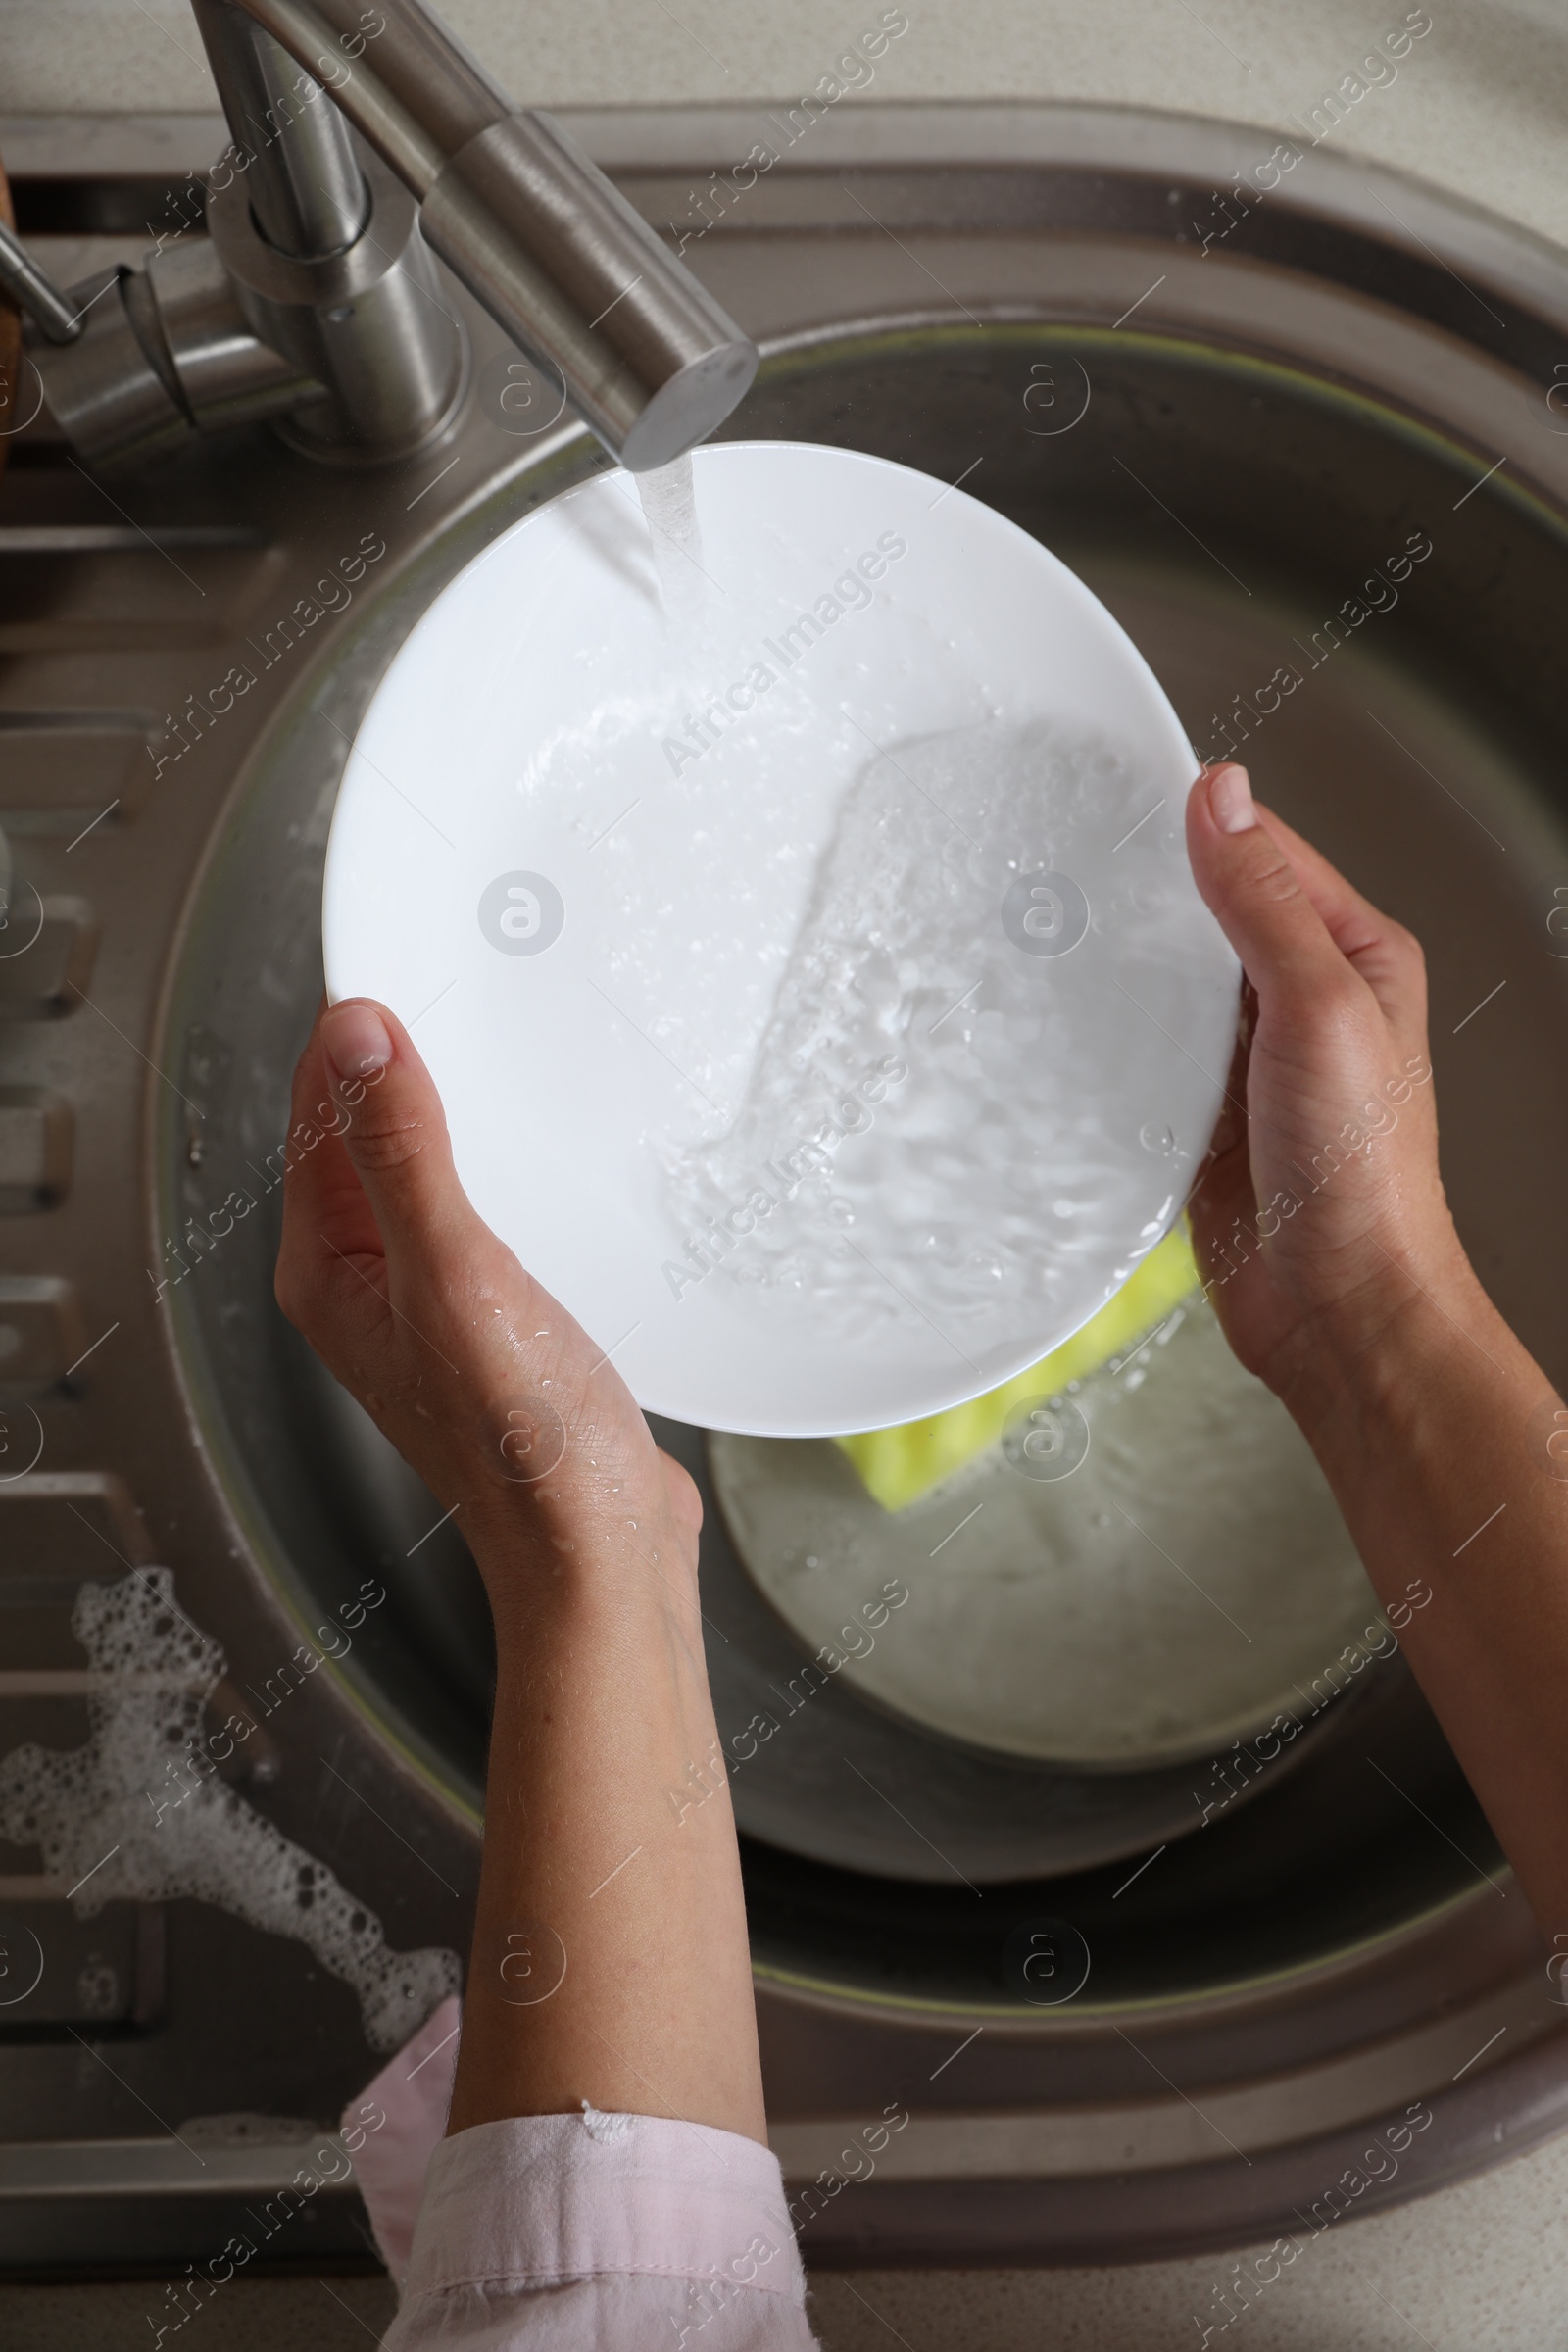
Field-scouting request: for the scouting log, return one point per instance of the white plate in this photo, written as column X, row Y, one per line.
column 586, row 920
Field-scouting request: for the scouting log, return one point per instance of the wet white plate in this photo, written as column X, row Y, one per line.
column 822, row 1000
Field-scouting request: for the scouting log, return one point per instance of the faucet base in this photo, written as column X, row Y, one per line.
column 370, row 324
column 166, row 351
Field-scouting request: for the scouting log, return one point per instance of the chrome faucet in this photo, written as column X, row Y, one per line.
column 313, row 298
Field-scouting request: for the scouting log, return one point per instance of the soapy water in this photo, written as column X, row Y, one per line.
column 927, row 1071
column 953, row 1104
column 657, row 731
column 111, row 1820
column 1048, row 1616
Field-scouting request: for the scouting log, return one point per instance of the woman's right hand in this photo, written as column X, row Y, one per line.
column 609, row 1854
column 1320, row 1203
column 500, row 1400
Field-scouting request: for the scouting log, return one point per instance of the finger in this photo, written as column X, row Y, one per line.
column 330, row 1279
column 395, row 1139
column 1222, row 1199
column 322, row 1195
column 1250, row 886
column 1223, row 1189
column 1231, row 1124
column 1380, row 950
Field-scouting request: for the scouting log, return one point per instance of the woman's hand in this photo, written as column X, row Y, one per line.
column 1338, row 1279
column 506, row 1410
column 1320, row 1203
column 609, row 1953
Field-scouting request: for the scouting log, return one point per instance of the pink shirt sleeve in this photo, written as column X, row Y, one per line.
column 553, row 2232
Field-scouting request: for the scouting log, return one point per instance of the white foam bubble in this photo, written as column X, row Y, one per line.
column 93, row 1812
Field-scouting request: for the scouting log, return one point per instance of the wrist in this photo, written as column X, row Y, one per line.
column 1358, row 1371
column 538, row 1564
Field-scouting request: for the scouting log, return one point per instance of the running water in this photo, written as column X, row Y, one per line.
column 669, row 504
column 934, row 1123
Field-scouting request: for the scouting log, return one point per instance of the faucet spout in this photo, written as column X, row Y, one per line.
column 530, row 225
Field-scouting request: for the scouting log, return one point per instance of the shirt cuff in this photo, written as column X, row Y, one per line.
column 395, row 2127
column 541, row 2200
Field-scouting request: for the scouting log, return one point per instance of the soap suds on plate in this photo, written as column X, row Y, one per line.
column 94, row 1814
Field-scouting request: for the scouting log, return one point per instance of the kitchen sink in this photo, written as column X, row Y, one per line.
column 1319, row 472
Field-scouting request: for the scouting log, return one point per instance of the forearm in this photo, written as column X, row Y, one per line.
column 610, row 1960
column 1433, row 1437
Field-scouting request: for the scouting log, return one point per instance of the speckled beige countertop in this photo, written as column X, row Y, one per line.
column 1480, row 106
column 1479, row 2269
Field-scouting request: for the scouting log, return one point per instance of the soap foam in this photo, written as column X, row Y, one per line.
column 94, row 1810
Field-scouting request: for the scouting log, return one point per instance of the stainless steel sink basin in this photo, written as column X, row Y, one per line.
column 1323, row 453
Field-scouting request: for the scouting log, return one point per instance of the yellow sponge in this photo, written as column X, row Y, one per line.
column 898, row 1465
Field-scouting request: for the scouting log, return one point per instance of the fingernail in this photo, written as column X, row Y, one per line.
column 1230, row 799
column 355, row 1040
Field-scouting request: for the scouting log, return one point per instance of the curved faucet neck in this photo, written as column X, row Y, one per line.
column 400, row 75
column 306, row 193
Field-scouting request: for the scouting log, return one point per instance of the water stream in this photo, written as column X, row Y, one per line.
column 670, row 504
